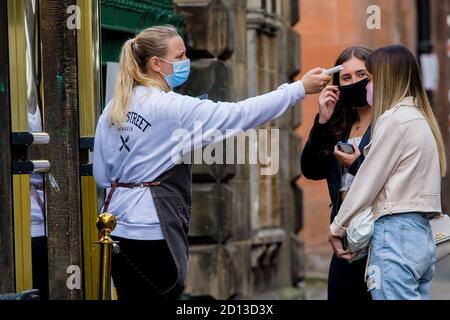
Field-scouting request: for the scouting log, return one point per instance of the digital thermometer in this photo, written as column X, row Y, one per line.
column 333, row 70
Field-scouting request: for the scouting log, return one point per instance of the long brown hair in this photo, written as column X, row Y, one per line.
column 396, row 75
column 133, row 68
column 343, row 116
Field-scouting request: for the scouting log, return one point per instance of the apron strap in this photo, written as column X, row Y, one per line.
column 115, row 185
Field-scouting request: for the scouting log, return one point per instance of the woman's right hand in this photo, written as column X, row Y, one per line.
column 313, row 81
column 327, row 102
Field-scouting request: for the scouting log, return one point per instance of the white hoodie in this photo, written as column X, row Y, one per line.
column 143, row 148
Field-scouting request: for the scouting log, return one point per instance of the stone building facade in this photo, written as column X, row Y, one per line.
column 244, row 224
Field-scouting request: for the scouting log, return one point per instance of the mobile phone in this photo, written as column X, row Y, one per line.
column 346, row 147
column 333, row 70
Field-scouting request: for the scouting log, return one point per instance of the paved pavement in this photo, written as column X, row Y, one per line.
column 440, row 288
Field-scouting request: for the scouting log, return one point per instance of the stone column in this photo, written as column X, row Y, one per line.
column 242, row 224
column 274, row 58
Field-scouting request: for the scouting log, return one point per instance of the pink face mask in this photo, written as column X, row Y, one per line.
column 369, row 95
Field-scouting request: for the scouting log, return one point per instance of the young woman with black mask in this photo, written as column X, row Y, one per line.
column 344, row 116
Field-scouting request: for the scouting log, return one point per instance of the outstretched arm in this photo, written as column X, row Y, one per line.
column 249, row 113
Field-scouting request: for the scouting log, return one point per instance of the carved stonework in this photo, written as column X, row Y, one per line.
column 243, row 224
column 209, row 27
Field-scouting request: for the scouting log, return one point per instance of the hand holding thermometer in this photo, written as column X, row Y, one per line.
column 333, row 70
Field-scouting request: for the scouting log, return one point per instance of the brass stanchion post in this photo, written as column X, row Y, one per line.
column 106, row 223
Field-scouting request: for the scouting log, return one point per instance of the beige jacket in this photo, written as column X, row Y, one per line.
column 401, row 172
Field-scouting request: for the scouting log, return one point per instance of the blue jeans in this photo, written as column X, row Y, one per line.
column 402, row 258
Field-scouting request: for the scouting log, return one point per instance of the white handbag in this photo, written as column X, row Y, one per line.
column 359, row 233
column 440, row 227
column 360, row 230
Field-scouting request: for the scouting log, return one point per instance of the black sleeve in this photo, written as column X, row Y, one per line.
column 356, row 164
column 316, row 155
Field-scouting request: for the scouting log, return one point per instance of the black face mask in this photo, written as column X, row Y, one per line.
column 354, row 95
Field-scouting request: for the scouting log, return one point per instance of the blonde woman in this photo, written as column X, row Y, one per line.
column 400, row 178
column 136, row 155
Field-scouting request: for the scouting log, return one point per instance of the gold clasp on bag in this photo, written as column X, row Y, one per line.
column 438, row 236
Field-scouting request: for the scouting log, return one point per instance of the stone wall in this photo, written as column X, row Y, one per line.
column 243, row 225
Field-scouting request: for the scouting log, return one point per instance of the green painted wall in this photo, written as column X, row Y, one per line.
column 122, row 19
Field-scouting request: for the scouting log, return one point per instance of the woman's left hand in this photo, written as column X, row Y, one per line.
column 346, row 160
column 336, row 244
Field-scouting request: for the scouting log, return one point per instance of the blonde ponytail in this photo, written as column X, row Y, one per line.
column 133, row 68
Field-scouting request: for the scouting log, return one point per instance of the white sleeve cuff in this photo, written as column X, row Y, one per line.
column 299, row 88
column 336, row 229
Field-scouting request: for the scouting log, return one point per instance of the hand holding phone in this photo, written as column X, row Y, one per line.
column 346, row 147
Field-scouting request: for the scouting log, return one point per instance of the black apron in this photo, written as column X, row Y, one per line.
column 173, row 203
column 172, row 196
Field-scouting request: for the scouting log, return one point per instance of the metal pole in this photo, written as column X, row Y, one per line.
column 424, row 44
column 106, row 223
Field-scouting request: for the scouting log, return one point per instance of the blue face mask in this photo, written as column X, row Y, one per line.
column 181, row 71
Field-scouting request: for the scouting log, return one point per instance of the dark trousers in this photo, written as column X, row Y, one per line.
column 346, row 280
column 40, row 265
column 144, row 269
